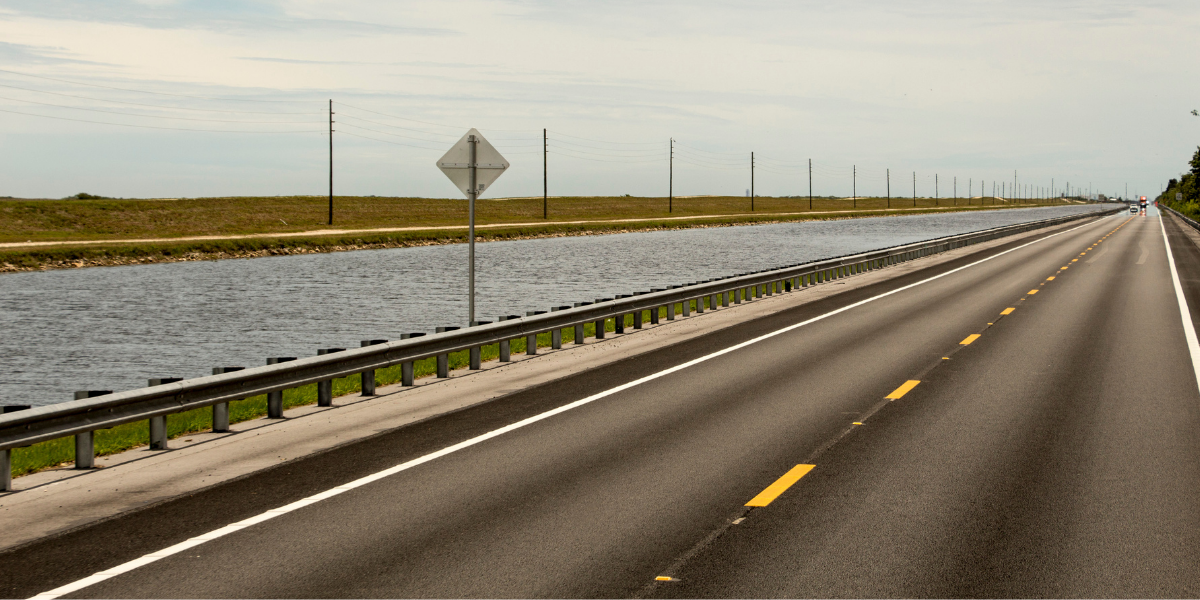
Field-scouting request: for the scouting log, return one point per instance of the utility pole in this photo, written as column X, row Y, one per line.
column 331, row 161
column 956, row 190
column 474, row 191
column 936, row 195
column 751, row 182
column 545, row 185
column 914, row 189
column 889, row 187
column 970, row 190
column 671, row 179
column 1015, row 194
column 854, row 185
column 810, row 184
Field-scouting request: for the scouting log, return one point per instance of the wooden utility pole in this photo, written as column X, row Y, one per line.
column 331, row 161
column 751, row 182
column 854, row 185
column 889, row 187
column 545, row 178
column 671, row 179
column 810, row 184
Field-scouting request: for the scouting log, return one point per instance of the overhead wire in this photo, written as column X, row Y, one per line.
column 109, row 87
column 15, row 112
column 162, row 106
column 113, row 112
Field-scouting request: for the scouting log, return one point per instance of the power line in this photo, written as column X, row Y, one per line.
column 383, row 114
column 16, row 112
column 569, row 143
column 609, row 155
column 113, row 112
column 608, row 142
column 109, row 87
column 216, row 110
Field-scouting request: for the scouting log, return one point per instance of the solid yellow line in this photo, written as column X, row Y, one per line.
column 904, row 389
column 780, row 486
column 970, row 338
column 1032, row 291
column 1007, row 311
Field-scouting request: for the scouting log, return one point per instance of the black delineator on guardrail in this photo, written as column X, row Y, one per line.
column 1190, row 222
column 85, row 415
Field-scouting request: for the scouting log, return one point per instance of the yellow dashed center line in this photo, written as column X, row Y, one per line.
column 780, row 486
column 1007, row 311
column 1050, row 278
column 1074, row 260
column 904, row 389
column 970, row 338
column 1033, row 291
column 857, row 423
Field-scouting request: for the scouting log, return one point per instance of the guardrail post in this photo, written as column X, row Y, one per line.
column 700, row 305
column 275, row 399
column 85, row 446
column 443, row 360
column 368, row 376
column 556, row 333
column 6, row 454
column 654, row 312
column 531, row 339
column 406, row 368
column 476, row 352
column 220, row 411
column 579, row 332
column 619, row 320
column 325, row 387
column 506, row 345
column 601, row 324
column 158, row 425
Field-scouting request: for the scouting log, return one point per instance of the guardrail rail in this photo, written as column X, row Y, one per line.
column 85, row 415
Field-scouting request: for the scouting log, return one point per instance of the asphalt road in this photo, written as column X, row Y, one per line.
column 1058, row 454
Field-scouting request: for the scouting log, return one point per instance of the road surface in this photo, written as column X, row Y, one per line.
column 1056, row 454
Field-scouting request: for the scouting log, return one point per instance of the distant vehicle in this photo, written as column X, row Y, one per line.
column 1133, row 209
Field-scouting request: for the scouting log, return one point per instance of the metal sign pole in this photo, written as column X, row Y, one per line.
column 474, row 191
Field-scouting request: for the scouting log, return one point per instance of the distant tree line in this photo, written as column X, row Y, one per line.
column 1187, row 185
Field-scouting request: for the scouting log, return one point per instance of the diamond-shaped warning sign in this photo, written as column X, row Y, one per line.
column 489, row 165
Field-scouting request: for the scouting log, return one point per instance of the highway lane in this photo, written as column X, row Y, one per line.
column 1056, row 455
column 596, row 501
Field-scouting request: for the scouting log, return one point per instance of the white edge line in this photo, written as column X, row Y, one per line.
column 271, row 514
column 1189, row 328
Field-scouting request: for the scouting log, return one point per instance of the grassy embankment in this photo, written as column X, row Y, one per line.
column 132, row 435
column 107, row 219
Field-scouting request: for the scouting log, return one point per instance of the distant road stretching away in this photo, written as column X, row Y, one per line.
column 1021, row 421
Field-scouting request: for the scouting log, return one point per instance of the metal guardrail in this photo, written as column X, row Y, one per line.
column 82, row 417
column 1187, row 220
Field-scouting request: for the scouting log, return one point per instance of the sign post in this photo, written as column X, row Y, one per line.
column 472, row 165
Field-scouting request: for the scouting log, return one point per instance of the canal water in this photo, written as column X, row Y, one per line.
column 114, row 327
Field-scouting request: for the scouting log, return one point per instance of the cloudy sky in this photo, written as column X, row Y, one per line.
column 164, row 98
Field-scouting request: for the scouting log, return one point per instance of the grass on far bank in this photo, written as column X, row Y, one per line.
column 81, row 220
column 52, row 453
column 93, row 219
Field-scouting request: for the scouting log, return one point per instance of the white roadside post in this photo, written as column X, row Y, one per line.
column 472, row 165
